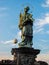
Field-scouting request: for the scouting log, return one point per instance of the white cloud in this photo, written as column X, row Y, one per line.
column 46, row 4
column 19, row 33
column 40, row 23
column 7, row 42
column 10, row 41
column 43, row 57
column 37, row 30
column 18, row 36
column 43, row 21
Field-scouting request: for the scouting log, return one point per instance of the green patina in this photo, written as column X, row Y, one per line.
column 25, row 25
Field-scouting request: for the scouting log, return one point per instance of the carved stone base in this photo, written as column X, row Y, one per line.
column 25, row 56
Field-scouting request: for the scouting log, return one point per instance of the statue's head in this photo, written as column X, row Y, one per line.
column 26, row 9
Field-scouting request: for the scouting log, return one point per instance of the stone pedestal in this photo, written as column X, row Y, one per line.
column 24, row 55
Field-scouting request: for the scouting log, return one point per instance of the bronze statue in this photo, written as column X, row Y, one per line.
column 25, row 25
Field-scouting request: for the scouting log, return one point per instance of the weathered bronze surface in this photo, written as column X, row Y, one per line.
column 25, row 25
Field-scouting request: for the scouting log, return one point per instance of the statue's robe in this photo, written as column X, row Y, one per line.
column 26, row 28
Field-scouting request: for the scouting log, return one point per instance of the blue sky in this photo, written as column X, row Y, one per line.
column 9, row 19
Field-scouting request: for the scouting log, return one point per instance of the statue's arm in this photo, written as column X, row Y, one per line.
column 30, row 17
